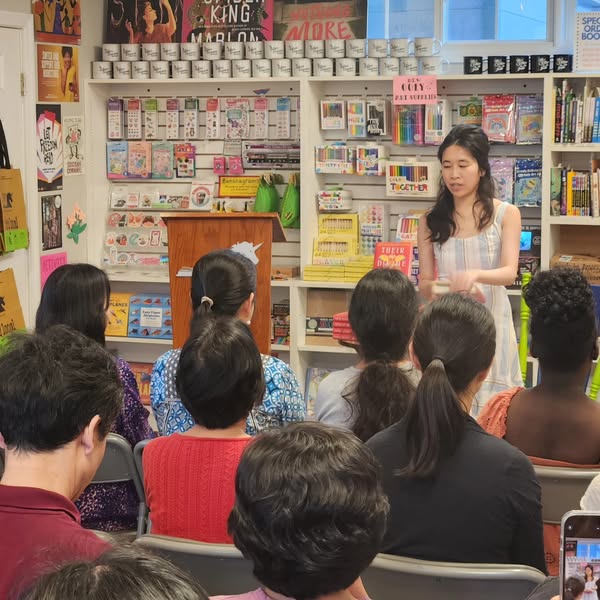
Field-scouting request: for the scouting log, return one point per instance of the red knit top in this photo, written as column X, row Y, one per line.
column 190, row 485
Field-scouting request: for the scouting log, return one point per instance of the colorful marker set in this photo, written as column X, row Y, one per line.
column 438, row 122
column 412, row 179
column 408, row 124
column 371, row 159
column 335, row 158
column 333, row 114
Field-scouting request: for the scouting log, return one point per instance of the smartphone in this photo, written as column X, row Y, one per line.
column 580, row 555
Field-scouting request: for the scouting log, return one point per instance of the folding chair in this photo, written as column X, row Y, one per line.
column 1, row 462
column 219, row 568
column 395, row 577
column 138, row 451
column 118, row 466
column 562, row 489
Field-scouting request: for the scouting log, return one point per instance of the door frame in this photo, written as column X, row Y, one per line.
column 24, row 22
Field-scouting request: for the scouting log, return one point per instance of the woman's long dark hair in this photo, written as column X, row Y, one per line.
column 226, row 278
column 454, row 341
column 440, row 219
column 382, row 314
column 76, row 295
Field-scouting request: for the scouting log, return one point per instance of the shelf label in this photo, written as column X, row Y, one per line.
column 417, row 89
column 238, row 187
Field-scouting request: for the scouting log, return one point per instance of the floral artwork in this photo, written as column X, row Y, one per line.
column 76, row 224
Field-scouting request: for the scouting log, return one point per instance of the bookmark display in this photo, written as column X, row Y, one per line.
column 134, row 119
column 172, row 119
column 333, row 114
column 261, row 118
column 190, row 119
column 151, row 118
column 283, row 119
column 115, row 119
column 213, row 119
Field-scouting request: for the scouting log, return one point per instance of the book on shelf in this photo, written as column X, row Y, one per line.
column 576, row 115
column 143, row 375
column 574, row 193
column 394, row 255
column 118, row 313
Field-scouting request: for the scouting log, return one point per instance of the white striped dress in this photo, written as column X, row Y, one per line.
column 483, row 251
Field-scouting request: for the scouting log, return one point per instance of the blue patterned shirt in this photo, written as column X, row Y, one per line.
column 282, row 403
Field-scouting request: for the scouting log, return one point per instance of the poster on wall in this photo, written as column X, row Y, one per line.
column 58, row 73
column 57, row 21
column 218, row 21
column 51, row 222
column 49, row 263
column 143, row 21
column 325, row 20
column 49, row 147
column 73, row 145
column 587, row 42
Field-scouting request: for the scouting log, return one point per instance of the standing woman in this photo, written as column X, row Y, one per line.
column 469, row 237
column 77, row 295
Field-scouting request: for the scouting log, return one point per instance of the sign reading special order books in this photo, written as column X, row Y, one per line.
column 587, row 42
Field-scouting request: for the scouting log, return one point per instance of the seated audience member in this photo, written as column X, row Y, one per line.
column 77, row 295
column 309, row 513
column 59, row 395
column 225, row 282
column 372, row 395
column 456, row 493
column 189, row 477
column 540, row 421
column 119, row 573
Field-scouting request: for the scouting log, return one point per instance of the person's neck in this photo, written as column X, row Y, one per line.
column 563, row 385
column 237, row 430
column 363, row 363
column 463, row 207
column 341, row 595
column 51, row 471
column 149, row 28
column 466, row 399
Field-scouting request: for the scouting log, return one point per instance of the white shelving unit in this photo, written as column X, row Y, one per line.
column 303, row 352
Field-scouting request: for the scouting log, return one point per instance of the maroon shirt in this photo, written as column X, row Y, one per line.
column 39, row 529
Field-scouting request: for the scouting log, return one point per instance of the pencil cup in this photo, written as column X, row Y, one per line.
column 254, row 50
column 433, row 65
column 169, row 51
column 356, row 48
column 150, row 52
column 401, row 47
column 242, row 69
column 345, row 67
column 302, row 67
column 281, row 67
column 140, row 69
column 368, row 67
column 159, row 69
column 377, row 48
column 274, row 49
column 314, row 48
column 323, row 67
column 111, row 52
column 102, row 69
column 409, row 65
column 201, row 69
column 189, row 51
column 122, row 70
column 222, row 69
column 335, row 48
column 130, row 52
column 390, row 66
column 181, row 69
column 261, row 67
column 294, row 49
column 234, row 50
column 212, row 50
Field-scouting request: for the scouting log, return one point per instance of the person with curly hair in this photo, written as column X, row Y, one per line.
column 541, row 420
column 309, row 513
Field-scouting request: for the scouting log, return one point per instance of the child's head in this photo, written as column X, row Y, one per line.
column 76, row 295
column 382, row 314
column 574, row 588
column 454, row 344
column 563, row 315
column 310, row 511
column 223, row 282
column 220, row 375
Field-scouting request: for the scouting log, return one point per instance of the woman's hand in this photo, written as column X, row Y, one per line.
column 465, row 282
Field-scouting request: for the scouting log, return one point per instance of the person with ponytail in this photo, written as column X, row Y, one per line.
column 224, row 283
column 456, row 493
column 372, row 395
column 472, row 240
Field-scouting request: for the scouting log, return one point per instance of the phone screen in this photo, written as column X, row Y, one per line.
column 580, row 568
column 525, row 245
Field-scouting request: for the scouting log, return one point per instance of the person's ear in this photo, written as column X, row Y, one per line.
column 482, row 375
column 413, row 356
column 90, row 435
column 595, row 350
column 247, row 309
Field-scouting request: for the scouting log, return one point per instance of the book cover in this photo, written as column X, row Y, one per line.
column 555, row 190
column 139, row 160
column 314, row 376
column 143, row 376
column 116, row 160
column 162, row 160
column 393, row 255
column 498, row 118
column 528, row 182
column 529, row 119
column 118, row 313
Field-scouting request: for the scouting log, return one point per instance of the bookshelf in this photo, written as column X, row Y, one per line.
column 303, row 352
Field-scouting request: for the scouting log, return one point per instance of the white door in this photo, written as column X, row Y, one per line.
column 15, row 113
